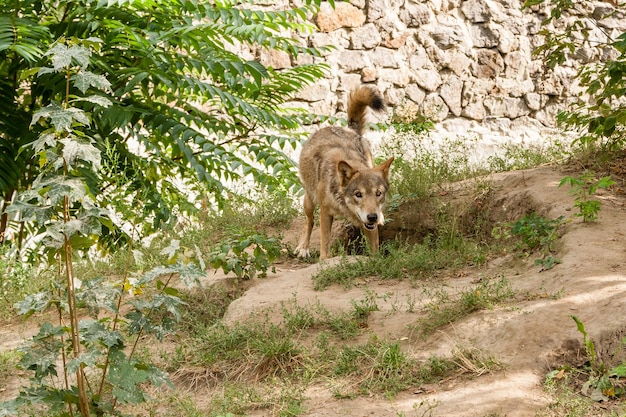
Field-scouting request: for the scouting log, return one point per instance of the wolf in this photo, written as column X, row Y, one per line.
column 338, row 175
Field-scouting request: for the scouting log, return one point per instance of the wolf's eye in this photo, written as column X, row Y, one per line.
column 378, row 193
column 358, row 194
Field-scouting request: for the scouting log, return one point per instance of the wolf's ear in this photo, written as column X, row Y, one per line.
column 345, row 172
column 384, row 168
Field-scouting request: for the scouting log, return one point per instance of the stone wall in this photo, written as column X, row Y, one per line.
column 468, row 60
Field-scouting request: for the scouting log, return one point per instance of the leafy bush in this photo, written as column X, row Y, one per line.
column 533, row 233
column 536, row 232
column 100, row 370
column 583, row 187
column 245, row 255
column 114, row 374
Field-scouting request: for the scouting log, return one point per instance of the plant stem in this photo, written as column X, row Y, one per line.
column 148, row 316
column 117, row 314
column 83, row 399
column 132, row 351
column 63, row 356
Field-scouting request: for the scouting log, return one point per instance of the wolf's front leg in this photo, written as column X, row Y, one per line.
column 303, row 251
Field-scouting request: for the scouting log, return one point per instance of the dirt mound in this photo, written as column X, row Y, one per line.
column 530, row 337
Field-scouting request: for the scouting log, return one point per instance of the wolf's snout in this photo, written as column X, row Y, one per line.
column 372, row 218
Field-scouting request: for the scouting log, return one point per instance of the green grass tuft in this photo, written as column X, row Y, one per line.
column 444, row 309
column 403, row 262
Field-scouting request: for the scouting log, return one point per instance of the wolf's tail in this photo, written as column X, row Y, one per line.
column 361, row 98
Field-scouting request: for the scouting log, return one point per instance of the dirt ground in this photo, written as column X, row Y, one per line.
column 530, row 335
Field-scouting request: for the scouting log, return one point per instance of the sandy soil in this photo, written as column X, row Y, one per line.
column 529, row 335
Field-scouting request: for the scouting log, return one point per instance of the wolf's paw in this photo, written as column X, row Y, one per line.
column 302, row 252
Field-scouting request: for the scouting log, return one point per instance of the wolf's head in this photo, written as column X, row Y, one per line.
column 364, row 191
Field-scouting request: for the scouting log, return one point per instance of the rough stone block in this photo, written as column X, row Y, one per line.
column 365, row 37
column 429, row 80
column 434, row 108
column 343, row 15
column 451, row 91
column 351, row 61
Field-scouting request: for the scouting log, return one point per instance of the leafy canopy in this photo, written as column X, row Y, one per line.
column 188, row 116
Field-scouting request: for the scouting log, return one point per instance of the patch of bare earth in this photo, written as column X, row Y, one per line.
column 530, row 335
